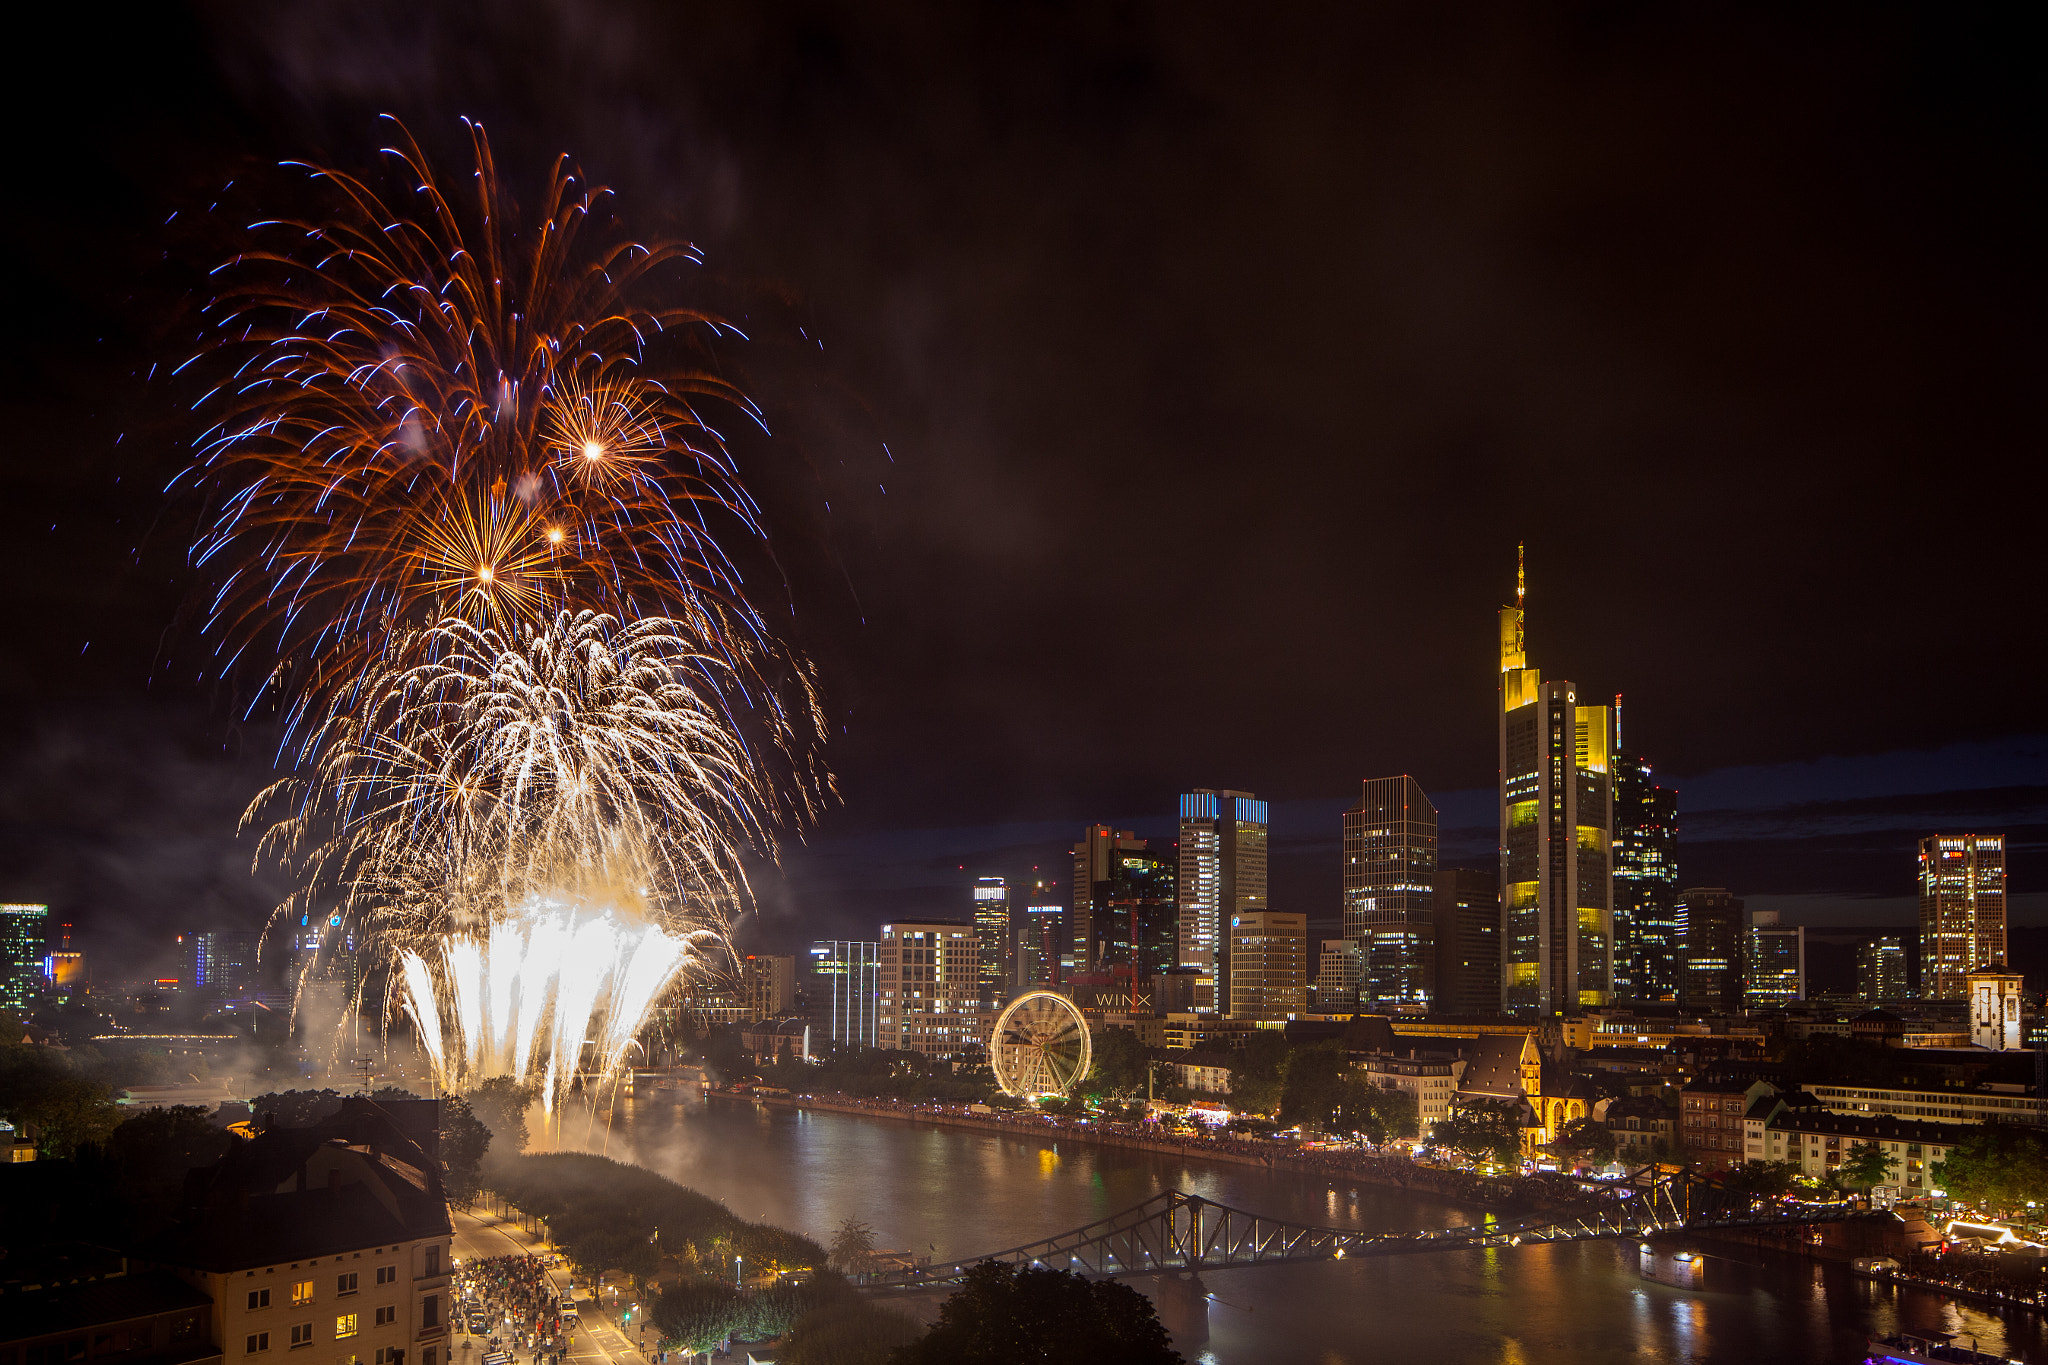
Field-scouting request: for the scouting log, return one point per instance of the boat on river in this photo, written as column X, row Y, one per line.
column 1929, row 1348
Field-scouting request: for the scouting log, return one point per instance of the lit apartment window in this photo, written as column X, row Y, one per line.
column 259, row 1298
column 345, row 1284
column 302, row 1293
column 259, row 1342
column 346, row 1325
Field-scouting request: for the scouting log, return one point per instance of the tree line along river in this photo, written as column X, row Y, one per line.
column 949, row 1193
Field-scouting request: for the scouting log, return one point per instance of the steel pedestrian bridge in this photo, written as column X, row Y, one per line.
column 1175, row 1231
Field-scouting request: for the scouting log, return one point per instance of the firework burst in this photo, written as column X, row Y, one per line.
column 461, row 486
column 438, row 413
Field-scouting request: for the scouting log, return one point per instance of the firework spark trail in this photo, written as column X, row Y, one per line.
column 563, row 966
column 439, row 414
column 460, row 486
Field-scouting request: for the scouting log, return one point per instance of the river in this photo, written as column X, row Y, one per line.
column 950, row 1194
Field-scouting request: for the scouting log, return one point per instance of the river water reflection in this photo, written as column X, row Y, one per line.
column 950, row 1194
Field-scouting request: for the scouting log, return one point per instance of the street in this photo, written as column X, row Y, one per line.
column 598, row 1341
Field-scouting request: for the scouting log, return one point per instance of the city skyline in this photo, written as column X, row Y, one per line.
column 124, row 773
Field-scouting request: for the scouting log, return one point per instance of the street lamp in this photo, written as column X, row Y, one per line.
column 736, row 1284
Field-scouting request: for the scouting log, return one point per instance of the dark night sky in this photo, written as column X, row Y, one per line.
column 1221, row 358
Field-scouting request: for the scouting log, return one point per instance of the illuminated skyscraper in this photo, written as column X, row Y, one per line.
column 1040, row 926
column 846, row 980
column 64, row 965
column 24, row 936
column 1962, row 911
column 1645, row 882
column 1881, row 969
column 930, row 984
column 222, row 959
column 1556, row 829
column 1711, row 934
column 1337, row 977
column 1268, row 956
column 1774, row 971
column 1123, row 913
column 1222, row 873
column 992, row 931
column 1390, row 892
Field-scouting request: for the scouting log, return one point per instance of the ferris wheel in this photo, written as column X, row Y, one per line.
column 1040, row 1045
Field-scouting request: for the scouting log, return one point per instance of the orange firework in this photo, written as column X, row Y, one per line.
column 445, row 413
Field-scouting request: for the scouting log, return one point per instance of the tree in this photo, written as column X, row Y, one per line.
column 1865, row 1165
column 852, row 1246
column 1003, row 1314
column 41, row 1086
column 1482, row 1133
column 698, row 1314
column 848, row 1332
column 1998, row 1167
column 1770, row 1178
column 1584, row 1138
column 1255, row 1072
column 464, row 1141
column 1117, row 1063
column 152, row 1151
column 1313, row 1083
column 295, row 1108
column 1382, row 1112
column 500, row 1104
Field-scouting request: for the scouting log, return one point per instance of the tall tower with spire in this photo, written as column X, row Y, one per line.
column 1556, row 834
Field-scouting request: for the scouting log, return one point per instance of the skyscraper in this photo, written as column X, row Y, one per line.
column 930, row 976
column 1962, row 911
column 1466, row 916
column 1222, row 873
column 1881, row 968
column 1711, row 930
column 1775, row 970
column 846, row 980
column 1041, row 930
column 1268, row 957
column 1390, row 891
column 223, row 959
column 1337, row 977
column 1645, row 880
column 992, row 933
column 1556, row 829
column 1127, row 888
column 24, row 937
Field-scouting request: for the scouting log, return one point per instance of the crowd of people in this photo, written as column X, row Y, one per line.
column 521, row 1306
column 2001, row 1278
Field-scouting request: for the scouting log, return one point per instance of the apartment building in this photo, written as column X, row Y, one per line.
column 1433, row 1081
column 929, row 973
column 327, row 1244
column 1989, row 1102
column 1817, row 1142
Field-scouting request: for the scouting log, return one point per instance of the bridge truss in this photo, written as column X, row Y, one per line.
column 1174, row 1231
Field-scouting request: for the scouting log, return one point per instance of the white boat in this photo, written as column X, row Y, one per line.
column 1930, row 1348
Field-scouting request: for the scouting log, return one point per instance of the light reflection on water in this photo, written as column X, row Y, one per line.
column 949, row 1194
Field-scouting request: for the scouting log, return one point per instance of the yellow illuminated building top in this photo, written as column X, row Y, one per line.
column 1513, row 655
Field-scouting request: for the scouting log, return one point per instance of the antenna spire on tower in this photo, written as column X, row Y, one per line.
column 1521, row 577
